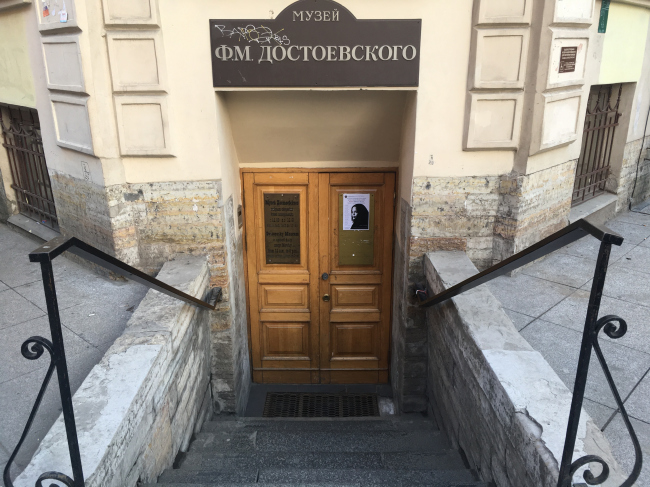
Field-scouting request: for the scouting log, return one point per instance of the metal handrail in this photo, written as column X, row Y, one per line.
column 34, row 347
column 58, row 245
column 613, row 326
column 566, row 236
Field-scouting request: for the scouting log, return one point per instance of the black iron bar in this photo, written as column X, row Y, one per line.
column 18, row 188
column 607, row 322
column 45, row 254
column 559, row 239
column 58, row 245
column 583, row 362
column 28, row 151
column 613, row 124
column 592, row 327
column 62, row 371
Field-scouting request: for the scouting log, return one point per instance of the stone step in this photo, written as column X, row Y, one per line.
column 432, row 478
column 230, row 484
column 320, row 441
column 298, row 424
column 308, row 484
column 209, row 460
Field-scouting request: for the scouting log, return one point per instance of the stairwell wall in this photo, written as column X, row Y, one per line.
column 148, row 395
column 497, row 398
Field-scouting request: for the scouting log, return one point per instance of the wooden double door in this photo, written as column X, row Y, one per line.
column 319, row 268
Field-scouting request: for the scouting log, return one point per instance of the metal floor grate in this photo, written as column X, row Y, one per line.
column 310, row 405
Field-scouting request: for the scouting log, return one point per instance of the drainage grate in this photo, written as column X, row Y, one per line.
column 308, row 405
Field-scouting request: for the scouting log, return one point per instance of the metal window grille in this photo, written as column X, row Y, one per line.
column 21, row 133
column 597, row 140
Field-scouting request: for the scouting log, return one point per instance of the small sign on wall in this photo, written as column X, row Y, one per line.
column 568, row 56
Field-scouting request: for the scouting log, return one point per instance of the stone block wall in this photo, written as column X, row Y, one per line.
column 231, row 372
column 447, row 214
column 408, row 369
column 153, row 221
column 454, row 214
column 497, row 399
column 82, row 210
column 531, row 207
column 624, row 184
column 148, row 395
column 145, row 225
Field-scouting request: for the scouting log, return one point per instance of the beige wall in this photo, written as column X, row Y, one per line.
column 642, row 93
column 439, row 112
column 312, row 128
column 428, row 141
column 61, row 159
column 625, row 42
column 620, row 55
column 16, row 83
column 229, row 161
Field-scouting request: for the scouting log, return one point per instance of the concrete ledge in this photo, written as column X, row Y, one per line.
column 141, row 404
column 496, row 397
column 600, row 209
column 32, row 228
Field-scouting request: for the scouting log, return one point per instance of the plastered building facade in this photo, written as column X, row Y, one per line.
column 145, row 156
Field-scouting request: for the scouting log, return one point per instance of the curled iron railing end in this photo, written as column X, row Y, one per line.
column 59, row 477
column 33, row 349
column 587, row 475
column 614, row 327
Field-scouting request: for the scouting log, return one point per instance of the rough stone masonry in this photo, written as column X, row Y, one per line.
column 141, row 404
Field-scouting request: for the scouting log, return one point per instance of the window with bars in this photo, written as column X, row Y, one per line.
column 21, row 137
column 597, row 141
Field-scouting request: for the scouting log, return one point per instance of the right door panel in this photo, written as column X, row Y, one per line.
column 355, row 240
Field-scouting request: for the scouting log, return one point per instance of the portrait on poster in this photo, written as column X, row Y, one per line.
column 356, row 211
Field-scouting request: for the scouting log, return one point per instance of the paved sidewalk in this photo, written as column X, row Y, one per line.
column 94, row 311
column 547, row 302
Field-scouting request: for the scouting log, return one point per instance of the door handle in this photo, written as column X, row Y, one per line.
column 326, row 297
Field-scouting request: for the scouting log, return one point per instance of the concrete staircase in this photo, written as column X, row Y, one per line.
column 400, row 451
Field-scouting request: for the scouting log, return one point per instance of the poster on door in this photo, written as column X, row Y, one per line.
column 356, row 229
column 356, row 211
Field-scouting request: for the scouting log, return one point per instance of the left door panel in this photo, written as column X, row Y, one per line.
column 281, row 220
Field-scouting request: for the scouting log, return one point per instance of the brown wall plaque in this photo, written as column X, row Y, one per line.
column 568, row 57
column 315, row 43
column 282, row 228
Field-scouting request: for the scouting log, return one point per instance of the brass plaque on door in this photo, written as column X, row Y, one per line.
column 282, row 228
column 356, row 229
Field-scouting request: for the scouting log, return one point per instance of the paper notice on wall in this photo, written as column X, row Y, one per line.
column 356, row 211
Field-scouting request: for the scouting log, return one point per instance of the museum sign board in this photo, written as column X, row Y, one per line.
column 315, row 43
